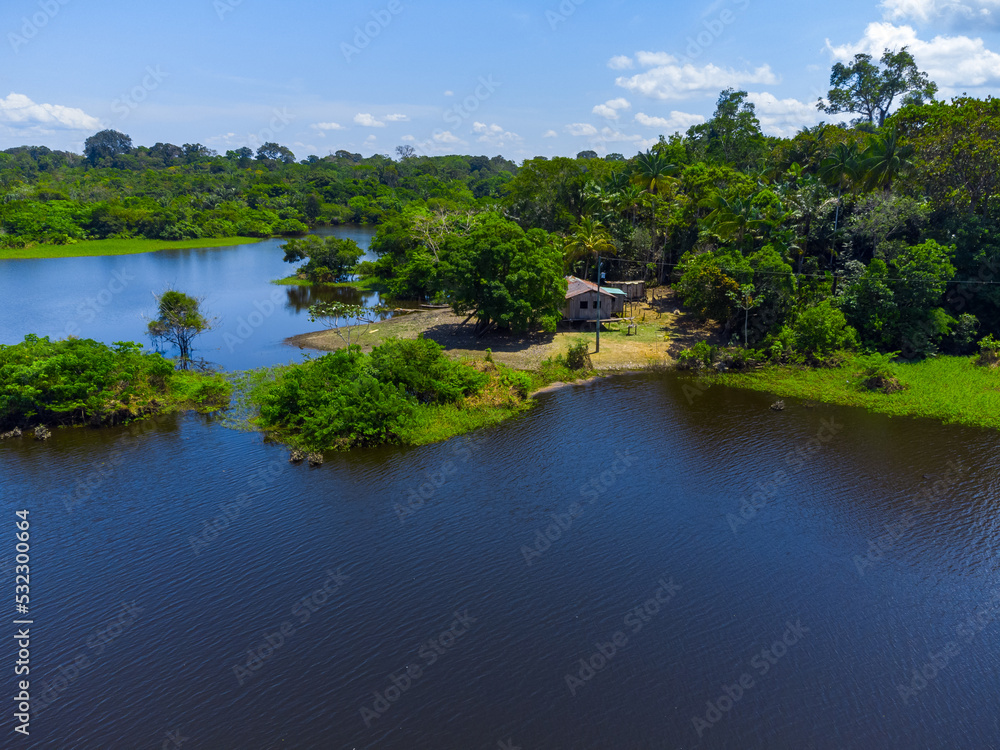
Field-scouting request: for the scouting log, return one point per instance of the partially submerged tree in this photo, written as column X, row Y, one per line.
column 179, row 320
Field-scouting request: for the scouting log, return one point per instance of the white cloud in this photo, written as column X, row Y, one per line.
column 610, row 109
column 371, row 138
column 581, row 129
column 446, row 136
column 449, row 93
column 397, row 118
column 965, row 13
column 620, row 62
column 368, row 120
column 324, row 126
column 407, row 139
column 550, row 134
column 955, row 63
column 20, row 111
column 494, row 135
column 679, row 121
column 668, row 78
column 786, row 117
column 652, row 59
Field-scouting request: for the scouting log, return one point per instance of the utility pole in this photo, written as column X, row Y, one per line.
column 597, row 349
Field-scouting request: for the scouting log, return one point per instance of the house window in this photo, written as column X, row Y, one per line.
column 597, row 305
column 583, row 304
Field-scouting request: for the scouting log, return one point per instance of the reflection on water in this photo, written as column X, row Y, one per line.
column 301, row 298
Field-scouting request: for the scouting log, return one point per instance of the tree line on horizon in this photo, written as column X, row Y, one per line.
column 883, row 231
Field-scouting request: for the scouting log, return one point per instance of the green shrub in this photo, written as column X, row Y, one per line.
column 578, row 356
column 989, row 351
column 700, row 355
column 819, row 331
column 349, row 398
column 79, row 381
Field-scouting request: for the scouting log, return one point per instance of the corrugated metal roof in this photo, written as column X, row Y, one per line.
column 576, row 287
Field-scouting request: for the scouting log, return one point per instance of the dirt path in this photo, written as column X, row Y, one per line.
column 662, row 333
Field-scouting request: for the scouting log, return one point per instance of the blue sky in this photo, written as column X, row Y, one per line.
column 504, row 77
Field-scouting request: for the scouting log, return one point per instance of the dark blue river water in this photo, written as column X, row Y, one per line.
column 630, row 564
column 796, row 630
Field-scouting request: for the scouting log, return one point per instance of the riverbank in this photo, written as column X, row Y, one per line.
column 664, row 329
column 362, row 285
column 92, row 248
column 952, row 390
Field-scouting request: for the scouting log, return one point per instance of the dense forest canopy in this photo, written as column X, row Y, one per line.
column 889, row 226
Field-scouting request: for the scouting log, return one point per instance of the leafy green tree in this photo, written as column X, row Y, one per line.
column 179, row 320
column 106, row 144
column 503, row 276
column 330, row 259
column 733, row 135
column 274, row 152
column 870, row 90
column 956, row 158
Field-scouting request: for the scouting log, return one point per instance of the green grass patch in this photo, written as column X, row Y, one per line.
column 89, row 248
column 364, row 285
column 952, row 390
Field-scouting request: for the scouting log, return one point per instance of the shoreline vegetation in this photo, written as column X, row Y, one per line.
column 133, row 246
column 82, row 382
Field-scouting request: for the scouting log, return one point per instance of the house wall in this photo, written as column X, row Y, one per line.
column 572, row 311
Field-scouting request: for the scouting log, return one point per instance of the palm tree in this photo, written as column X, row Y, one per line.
column 588, row 240
column 885, row 159
column 843, row 169
column 653, row 172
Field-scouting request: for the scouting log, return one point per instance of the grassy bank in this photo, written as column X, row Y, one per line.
column 90, row 248
column 364, row 285
column 949, row 389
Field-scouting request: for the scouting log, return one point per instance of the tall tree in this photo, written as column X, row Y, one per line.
column 105, row 144
column 588, row 241
column 865, row 88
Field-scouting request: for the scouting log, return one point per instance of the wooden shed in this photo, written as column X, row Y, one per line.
column 582, row 300
column 635, row 290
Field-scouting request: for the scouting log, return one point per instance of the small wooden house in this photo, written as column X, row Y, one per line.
column 582, row 301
